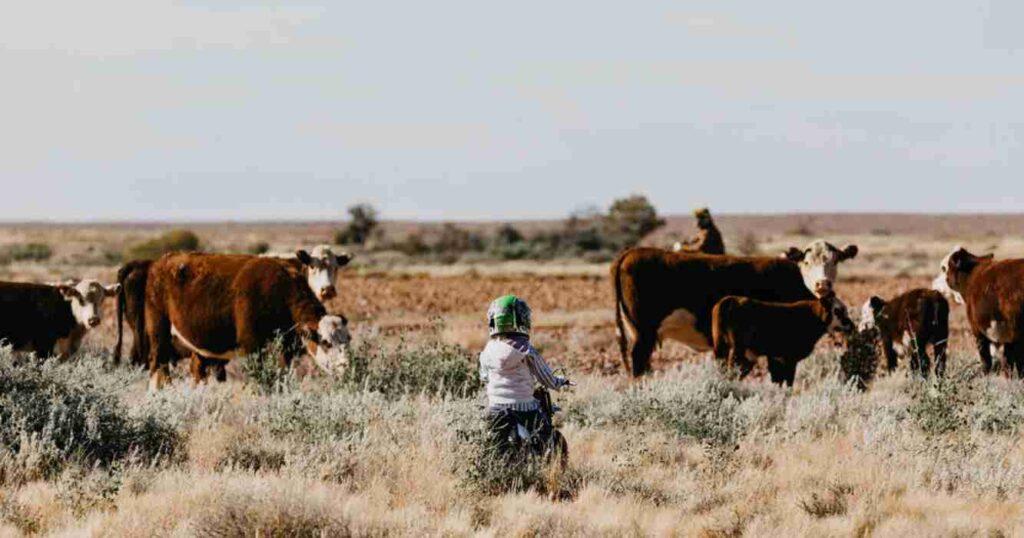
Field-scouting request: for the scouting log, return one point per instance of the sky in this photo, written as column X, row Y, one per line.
column 467, row 110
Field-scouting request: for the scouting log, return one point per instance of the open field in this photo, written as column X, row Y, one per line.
column 684, row 452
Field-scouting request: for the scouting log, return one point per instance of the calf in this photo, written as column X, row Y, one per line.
column 907, row 324
column 50, row 320
column 993, row 292
column 224, row 307
column 785, row 333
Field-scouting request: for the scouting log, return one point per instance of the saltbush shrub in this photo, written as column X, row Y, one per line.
column 54, row 414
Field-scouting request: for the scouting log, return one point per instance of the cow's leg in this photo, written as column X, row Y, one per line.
column 640, row 354
column 161, row 352
column 923, row 361
column 782, row 371
column 198, row 369
column 939, row 349
column 221, row 371
column 984, row 351
column 891, row 359
column 1014, row 353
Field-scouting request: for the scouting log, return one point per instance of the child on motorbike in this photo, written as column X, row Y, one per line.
column 510, row 367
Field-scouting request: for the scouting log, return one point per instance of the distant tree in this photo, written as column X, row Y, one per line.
column 454, row 239
column 508, row 235
column 362, row 222
column 629, row 220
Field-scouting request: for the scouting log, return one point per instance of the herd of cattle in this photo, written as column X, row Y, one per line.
column 213, row 308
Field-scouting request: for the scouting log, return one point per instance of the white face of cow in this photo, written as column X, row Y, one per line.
column 869, row 314
column 330, row 351
column 322, row 269
column 949, row 279
column 86, row 299
column 819, row 264
column 841, row 322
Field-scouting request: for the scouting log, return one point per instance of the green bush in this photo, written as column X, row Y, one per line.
column 433, row 368
column 53, row 415
column 173, row 241
column 27, row 252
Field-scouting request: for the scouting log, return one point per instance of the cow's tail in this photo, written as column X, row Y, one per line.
column 621, row 311
column 122, row 303
column 719, row 320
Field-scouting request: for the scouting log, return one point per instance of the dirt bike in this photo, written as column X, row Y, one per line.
column 540, row 439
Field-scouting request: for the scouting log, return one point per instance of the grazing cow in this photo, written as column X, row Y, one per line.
column 708, row 239
column 320, row 269
column 661, row 294
column 224, row 307
column 993, row 292
column 907, row 324
column 786, row 333
column 50, row 320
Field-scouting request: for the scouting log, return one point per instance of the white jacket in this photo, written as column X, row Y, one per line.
column 510, row 367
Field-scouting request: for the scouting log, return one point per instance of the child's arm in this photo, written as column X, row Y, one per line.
column 542, row 372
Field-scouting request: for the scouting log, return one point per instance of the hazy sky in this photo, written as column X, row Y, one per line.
column 469, row 109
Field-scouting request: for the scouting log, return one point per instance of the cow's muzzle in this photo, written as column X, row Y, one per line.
column 328, row 293
column 93, row 322
column 823, row 288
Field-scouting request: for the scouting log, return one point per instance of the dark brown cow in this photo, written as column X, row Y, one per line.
column 907, row 324
column 50, row 320
column 319, row 269
column 661, row 294
column 786, row 333
column 708, row 239
column 222, row 307
column 993, row 292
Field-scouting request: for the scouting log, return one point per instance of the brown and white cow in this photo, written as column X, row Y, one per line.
column 786, row 333
column 907, row 324
column 319, row 268
column 222, row 307
column 669, row 295
column 50, row 320
column 993, row 292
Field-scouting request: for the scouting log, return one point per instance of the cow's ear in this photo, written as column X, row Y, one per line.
column 848, row 253
column 68, row 292
column 344, row 258
column 794, row 255
column 111, row 290
column 303, row 257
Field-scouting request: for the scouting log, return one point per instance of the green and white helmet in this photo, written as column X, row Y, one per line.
column 508, row 314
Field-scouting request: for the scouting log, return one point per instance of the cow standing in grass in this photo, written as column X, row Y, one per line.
column 318, row 268
column 993, row 292
column 669, row 295
column 224, row 307
column 50, row 320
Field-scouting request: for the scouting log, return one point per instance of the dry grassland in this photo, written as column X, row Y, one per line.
column 685, row 452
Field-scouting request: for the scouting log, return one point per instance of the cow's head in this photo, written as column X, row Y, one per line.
column 819, row 263
column 322, row 269
column 328, row 343
column 86, row 298
column 870, row 312
column 839, row 315
column 704, row 220
column 954, row 271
